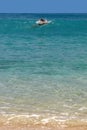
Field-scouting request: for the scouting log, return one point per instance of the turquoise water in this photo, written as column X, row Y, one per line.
column 43, row 69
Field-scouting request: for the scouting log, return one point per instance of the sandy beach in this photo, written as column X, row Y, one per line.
column 41, row 128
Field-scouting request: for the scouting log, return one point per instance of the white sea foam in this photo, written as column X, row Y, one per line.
column 84, row 120
column 34, row 115
column 67, row 106
column 14, row 116
column 65, row 114
column 82, row 108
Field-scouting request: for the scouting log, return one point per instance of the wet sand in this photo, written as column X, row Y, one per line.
column 41, row 128
column 21, row 123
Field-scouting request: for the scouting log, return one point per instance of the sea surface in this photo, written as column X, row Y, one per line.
column 43, row 70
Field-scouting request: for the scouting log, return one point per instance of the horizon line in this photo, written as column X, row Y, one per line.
column 41, row 13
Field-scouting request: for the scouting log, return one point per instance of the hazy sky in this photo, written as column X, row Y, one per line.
column 43, row 6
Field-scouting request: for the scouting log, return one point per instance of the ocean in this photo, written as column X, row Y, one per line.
column 43, row 70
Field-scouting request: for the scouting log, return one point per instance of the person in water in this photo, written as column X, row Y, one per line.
column 42, row 21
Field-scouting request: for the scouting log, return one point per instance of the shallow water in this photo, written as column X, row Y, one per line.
column 43, row 69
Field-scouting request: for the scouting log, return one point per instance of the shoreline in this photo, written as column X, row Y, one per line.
column 35, row 123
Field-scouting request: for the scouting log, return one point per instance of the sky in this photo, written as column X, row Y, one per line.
column 43, row 6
